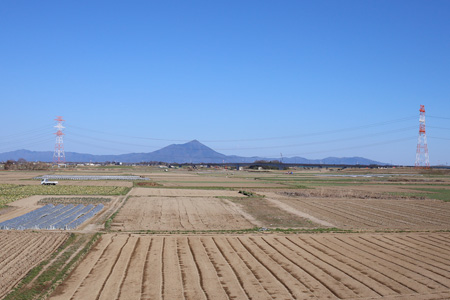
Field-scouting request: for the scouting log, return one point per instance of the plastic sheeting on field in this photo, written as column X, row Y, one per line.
column 50, row 217
column 91, row 177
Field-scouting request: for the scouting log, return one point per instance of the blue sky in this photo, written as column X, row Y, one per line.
column 251, row 78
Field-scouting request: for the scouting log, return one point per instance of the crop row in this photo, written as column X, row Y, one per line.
column 369, row 266
column 13, row 192
column 21, row 252
column 74, row 200
column 5, row 199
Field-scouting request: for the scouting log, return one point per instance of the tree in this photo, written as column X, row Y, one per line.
column 9, row 164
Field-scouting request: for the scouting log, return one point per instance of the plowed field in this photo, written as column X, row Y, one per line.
column 178, row 213
column 351, row 266
column 182, row 192
column 21, row 251
column 404, row 214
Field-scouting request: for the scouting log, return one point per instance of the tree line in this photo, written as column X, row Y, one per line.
column 22, row 164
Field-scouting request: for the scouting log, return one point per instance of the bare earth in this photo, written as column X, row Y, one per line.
column 404, row 214
column 178, row 213
column 20, row 207
column 325, row 266
column 21, row 251
column 182, row 192
column 229, row 180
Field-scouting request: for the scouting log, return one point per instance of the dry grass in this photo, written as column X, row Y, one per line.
column 270, row 215
column 347, row 194
column 147, row 183
column 74, row 200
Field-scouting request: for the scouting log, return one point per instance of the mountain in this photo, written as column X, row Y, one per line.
column 333, row 161
column 191, row 152
column 27, row 155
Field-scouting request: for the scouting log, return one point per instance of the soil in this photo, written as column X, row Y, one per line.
column 326, row 266
column 182, row 192
column 178, row 213
column 21, row 251
column 370, row 214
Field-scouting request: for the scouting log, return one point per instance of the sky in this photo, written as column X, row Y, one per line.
column 250, row 78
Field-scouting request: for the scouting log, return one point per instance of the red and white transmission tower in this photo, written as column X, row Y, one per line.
column 59, row 157
column 422, row 159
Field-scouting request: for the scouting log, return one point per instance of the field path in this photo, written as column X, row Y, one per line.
column 297, row 212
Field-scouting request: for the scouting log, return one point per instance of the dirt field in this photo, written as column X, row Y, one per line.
column 222, row 184
column 372, row 214
column 326, row 266
column 179, row 213
column 21, row 251
column 182, row 192
column 230, row 179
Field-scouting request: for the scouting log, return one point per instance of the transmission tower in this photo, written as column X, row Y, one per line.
column 422, row 159
column 59, row 157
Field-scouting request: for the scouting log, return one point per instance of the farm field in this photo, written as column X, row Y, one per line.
column 182, row 192
column 319, row 266
column 21, row 251
column 210, row 179
column 52, row 217
column 371, row 214
column 12, row 192
column 221, row 234
column 28, row 204
column 178, row 213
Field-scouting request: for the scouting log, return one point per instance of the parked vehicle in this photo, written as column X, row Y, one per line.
column 45, row 181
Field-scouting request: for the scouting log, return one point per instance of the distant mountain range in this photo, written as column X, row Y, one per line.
column 191, row 152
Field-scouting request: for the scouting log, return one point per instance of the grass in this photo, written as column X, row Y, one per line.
column 74, row 200
column 13, row 192
column 38, row 284
column 111, row 218
column 437, row 194
column 270, row 215
column 21, row 291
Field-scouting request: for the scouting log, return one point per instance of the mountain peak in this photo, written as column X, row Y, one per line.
column 194, row 142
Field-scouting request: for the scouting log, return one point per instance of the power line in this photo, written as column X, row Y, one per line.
column 28, row 132
column 39, row 142
column 127, row 136
column 19, row 139
column 110, row 141
column 439, row 138
column 445, row 118
column 325, row 142
column 69, row 140
column 257, row 148
column 357, row 147
column 258, row 139
column 428, row 126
